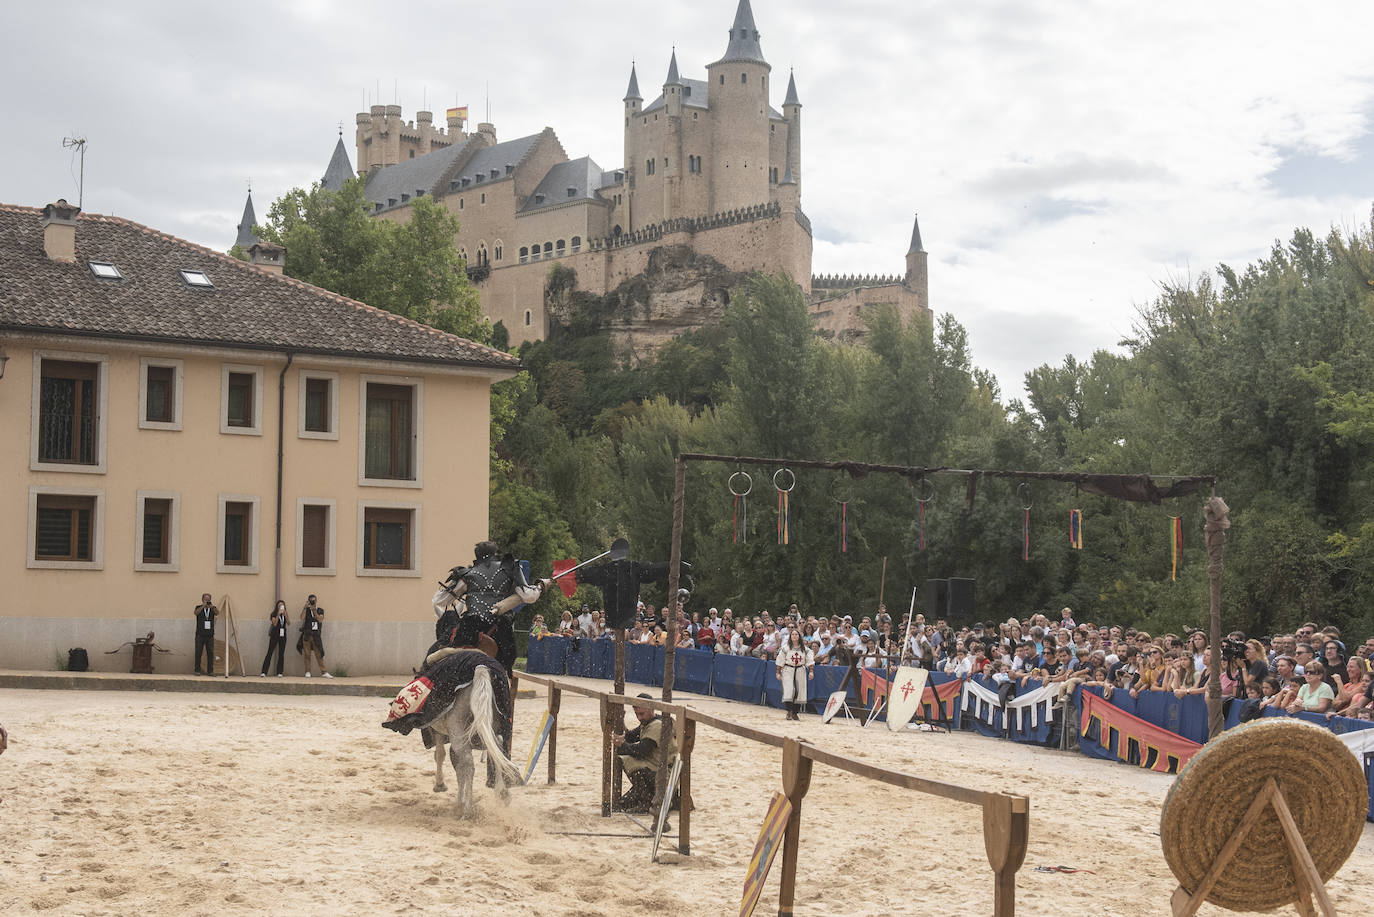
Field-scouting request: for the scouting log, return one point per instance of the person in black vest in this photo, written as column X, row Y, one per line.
column 205, row 634
column 311, row 640
column 276, row 637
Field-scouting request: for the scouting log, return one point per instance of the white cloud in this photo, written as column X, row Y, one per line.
column 1064, row 158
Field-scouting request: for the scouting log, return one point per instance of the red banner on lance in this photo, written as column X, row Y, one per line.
column 1159, row 749
column 568, row 583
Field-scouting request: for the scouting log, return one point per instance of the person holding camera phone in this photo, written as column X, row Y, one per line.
column 311, row 640
column 276, row 637
column 205, row 614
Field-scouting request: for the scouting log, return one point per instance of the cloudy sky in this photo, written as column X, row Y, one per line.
column 1065, row 158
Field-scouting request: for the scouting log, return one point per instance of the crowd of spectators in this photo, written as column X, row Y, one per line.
column 1311, row 669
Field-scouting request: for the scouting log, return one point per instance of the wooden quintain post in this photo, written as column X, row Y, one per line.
column 671, row 613
column 1218, row 520
column 796, row 780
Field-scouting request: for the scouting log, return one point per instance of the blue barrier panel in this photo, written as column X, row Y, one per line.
column 772, row 687
column 639, row 663
column 656, row 676
column 826, row 683
column 603, row 658
column 956, row 708
column 738, row 678
column 1038, row 734
column 692, row 671
column 976, row 722
column 1193, row 721
column 547, row 655
column 1369, row 775
column 580, row 657
column 1160, row 708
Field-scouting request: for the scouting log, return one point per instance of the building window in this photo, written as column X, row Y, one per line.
column 722, row 79
column 389, row 536
column 241, row 399
column 315, row 536
column 484, row 197
column 64, row 528
column 744, row 77
column 648, row 167
column 159, row 394
column 317, row 409
column 412, row 154
column 498, row 249
column 157, row 531
column 548, row 250
column 524, row 254
column 529, row 318
column 460, row 203
column 238, row 534
column 69, row 411
column 559, row 248
column 390, row 432
column 773, row 174
column 576, row 244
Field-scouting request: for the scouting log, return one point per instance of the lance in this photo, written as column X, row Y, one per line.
column 620, row 549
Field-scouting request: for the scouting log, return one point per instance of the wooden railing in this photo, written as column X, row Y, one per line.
column 1006, row 816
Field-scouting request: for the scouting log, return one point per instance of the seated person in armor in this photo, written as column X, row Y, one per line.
column 637, row 750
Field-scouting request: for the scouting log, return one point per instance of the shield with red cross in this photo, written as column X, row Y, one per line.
column 904, row 696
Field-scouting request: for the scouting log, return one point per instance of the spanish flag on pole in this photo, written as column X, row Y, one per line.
column 459, row 113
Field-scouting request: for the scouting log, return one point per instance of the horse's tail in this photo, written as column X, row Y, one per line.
column 483, row 705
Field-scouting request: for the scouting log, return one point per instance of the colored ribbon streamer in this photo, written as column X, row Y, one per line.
column 844, row 528
column 1025, row 534
column 740, row 523
column 1175, row 545
column 1076, row 529
column 784, row 518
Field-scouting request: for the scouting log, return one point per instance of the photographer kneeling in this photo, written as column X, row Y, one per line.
column 637, row 750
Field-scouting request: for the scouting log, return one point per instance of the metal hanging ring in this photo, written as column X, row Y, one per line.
column 791, row 480
column 1023, row 492
column 747, row 484
column 925, row 491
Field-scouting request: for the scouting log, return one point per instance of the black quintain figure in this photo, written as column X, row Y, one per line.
column 619, row 581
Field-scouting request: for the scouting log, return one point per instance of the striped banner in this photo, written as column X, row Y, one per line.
column 1076, row 529
column 770, row 840
column 1175, row 546
column 947, row 695
column 1158, row 748
column 537, row 746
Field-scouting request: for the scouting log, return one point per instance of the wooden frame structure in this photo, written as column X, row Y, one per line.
column 1006, row 816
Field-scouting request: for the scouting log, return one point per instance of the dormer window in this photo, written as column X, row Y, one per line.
column 495, row 173
column 391, row 202
column 404, row 197
column 465, row 181
column 419, row 192
column 480, row 179
column 105, row 270
column 539, row 197
column 686, row 91
column 572, row 192
column 196, row 279
column 453, row 185
column 510, row 167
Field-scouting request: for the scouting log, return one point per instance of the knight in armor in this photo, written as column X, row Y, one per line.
column 475, row 605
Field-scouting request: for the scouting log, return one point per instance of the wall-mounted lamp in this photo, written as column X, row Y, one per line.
column 4, row 358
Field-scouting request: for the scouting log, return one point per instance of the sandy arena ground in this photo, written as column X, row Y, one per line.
column 184, row 804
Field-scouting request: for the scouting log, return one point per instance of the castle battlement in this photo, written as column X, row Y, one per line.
column 854, row 281
column 656, row 232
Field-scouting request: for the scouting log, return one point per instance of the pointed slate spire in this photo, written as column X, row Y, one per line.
column 744, row 37
column 633, row 92
column 339, row 170
column 246, row 239
column 791, row 91
column 916, row 238
column 672, row 71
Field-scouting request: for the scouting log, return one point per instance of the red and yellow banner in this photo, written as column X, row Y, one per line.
column 948, row 694
column 769, row 842
column 1159, row 749
column 873, row 687
column 460, row 112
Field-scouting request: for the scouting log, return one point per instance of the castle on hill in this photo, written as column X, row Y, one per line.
column 711, row 183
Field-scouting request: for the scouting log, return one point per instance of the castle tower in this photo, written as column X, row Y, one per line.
column 246, row 239
column 671, row 158
column 916, row 276
column 791, row 111
column 739, row 113
column 633, row 102
column 339, row 169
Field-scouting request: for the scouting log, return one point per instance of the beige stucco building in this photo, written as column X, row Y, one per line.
column 176, row 421
column 708, row 164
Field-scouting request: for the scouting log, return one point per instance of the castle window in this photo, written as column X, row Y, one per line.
column 548, row 250
column 646, row 120
column 576, row 244
column 498, row 249
column 453, row 185
column 484, row 197
column 744, row 77
column 479, row 179
column 460, row 203
column 722, row 79
column 377, row 207
column 686, row 91
column 524, row 254
column 529, row 318
column 509, row 168
column 627, row 120
column 391, row 202
column 559, row 248
column 694, row 116
column 572, row 192
column 773, row 175
column 495, row 173
column 412, row 154
column 648, row 167
column 404, row 197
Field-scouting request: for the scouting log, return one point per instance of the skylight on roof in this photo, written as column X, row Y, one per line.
column 196, row 279
column 105, row 270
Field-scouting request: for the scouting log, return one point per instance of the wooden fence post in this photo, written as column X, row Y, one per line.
column 1006, row 827
column 606, row 757
column 555, row 699
column 684, row 812
column 796, row 780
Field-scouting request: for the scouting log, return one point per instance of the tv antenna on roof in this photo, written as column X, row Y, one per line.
column 78, row 143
